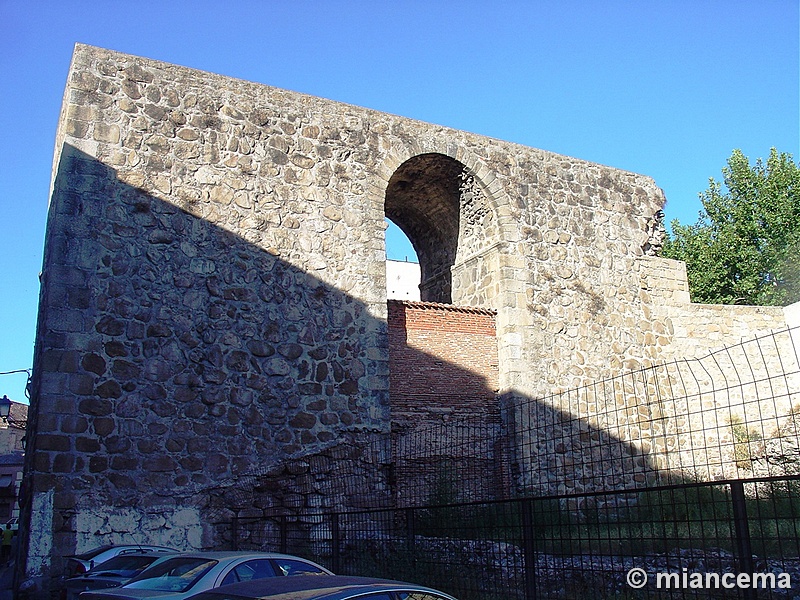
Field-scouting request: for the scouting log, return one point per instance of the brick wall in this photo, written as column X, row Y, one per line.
column 442, row 361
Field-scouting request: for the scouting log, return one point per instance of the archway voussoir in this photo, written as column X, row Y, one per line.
column 453, row 150
column 464, row 156
column 487, row 176
column 394, row 157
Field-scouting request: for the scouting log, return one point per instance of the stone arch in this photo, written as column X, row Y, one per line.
column 422, row 199
column 446, row 212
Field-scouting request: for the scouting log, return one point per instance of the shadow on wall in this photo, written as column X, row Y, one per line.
column 173, row 355
column 184, row 374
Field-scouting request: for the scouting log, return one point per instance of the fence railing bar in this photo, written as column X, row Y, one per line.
column 744, row 550
column 529, row 548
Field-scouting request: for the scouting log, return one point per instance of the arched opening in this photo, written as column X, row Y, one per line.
column 443, row 360
column 423, row 200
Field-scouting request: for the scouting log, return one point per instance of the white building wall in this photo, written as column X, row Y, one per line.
column 402, row 280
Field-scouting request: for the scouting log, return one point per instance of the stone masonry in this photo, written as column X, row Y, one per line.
column 213, row 302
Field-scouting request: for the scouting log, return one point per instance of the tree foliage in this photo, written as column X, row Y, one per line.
column 744, row 247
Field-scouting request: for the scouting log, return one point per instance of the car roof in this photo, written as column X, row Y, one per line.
column 322, row 587
column 227, row 554
column 94, row 552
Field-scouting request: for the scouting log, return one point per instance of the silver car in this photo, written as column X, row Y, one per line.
column 111, row 573
column 323, row 588
column 180, row 576
column 81, row 563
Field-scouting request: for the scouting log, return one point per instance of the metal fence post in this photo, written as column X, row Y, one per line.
column 529, row 548
column 235, row 533
column 410, row 526
column 411, row 535
column 335, row 557
column 283, row 524
column 744, row 551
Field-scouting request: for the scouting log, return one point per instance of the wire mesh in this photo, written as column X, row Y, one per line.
column 687, row 470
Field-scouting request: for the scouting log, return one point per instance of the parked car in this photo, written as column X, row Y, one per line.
column 323, row 588
column 182, row 575
column 81, row 563
column 112, row 573
column 14, row 522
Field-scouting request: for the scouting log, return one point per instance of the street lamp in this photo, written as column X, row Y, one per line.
column 5, row 412
column 5, row 408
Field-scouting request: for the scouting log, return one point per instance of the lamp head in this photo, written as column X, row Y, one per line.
column 5, row 407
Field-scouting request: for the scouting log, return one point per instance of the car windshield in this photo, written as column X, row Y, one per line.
column 172, row 575
column 124, row 564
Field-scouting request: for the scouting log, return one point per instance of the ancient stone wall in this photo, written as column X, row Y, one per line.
column 689, row 330
column 200, row 321
column 213, row 292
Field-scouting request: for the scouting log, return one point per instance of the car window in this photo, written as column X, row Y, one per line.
column 252, row 569
column 419, row 596
column 287, row 566
column 172, row 575
column 378, row 596
column 124, row 564
column 92, row 553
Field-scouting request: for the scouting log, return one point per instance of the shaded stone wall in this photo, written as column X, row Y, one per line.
column 199, row 322
column 177, row 355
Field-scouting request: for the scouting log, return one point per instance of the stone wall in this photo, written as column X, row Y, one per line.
column 733, row 371
column 213, row 300
column 199, row 320
column 689, row 330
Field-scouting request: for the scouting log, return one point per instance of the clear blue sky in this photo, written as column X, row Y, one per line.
column 667, row 88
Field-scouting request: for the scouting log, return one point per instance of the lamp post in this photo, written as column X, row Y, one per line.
column 5, row 415
column 5, row 408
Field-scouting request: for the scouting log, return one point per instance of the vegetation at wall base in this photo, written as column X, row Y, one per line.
column 745, row 245
column 657, row 521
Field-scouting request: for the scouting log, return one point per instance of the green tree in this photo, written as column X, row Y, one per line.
column 744, row 247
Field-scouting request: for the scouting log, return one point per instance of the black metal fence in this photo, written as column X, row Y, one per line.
column 539, row 548
column 685, row 475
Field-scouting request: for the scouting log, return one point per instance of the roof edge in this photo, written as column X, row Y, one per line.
column 416, row 304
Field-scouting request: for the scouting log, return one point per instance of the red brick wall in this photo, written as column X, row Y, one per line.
column 442, row 361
